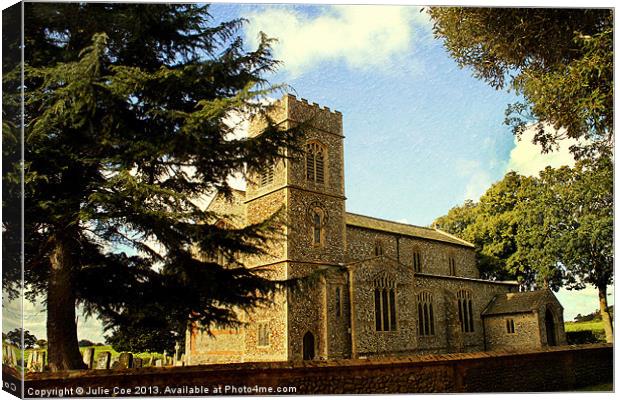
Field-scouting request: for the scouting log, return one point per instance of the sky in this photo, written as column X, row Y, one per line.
column 422, row 134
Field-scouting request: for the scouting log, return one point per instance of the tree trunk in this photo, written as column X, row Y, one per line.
column 609, row 330
column 63, row 349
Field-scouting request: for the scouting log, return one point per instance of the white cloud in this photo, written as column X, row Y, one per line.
column 362, row 36
column 526, row 157
column 479, row 179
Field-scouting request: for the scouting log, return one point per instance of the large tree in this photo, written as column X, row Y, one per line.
column 126, row 110
column 585, row 240
column 491, row 224
column 548, row 231
column 15, row 337
column 559, row 60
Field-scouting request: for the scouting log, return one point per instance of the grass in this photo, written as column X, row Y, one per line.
column 584, row 326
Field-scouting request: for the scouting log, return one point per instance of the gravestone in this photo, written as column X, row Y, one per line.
column 89, row 357
column 177, row 347
column 125, row 360
column 31, row 360
column 137, row 363
column 151, row 362
column 40, row 359
column 13, row 356
column 103, row 360
column 158, row 363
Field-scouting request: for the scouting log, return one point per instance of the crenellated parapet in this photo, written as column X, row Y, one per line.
column 290, row 110
column 302, row 111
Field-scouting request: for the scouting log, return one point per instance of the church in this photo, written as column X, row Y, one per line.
column 386, row 289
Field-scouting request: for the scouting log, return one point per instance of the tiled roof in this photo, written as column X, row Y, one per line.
column 510, row 303
column 403, row 229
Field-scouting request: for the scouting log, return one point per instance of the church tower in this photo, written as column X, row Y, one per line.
column 310, row 188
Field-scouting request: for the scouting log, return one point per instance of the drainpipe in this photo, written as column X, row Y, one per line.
column 484, row 335
column 351, row 315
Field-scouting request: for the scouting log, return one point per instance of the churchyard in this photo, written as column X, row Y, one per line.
column 95, row 357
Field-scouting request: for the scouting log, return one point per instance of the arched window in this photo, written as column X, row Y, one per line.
column 315, row 162
column 263, row 334
column 317, row 226
column 378, row 247
column 426, row 319
column 466, row 315
column 385, row 304
column 417, row 261
column 452, row 266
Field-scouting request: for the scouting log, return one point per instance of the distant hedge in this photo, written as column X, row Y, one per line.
column 584, row 337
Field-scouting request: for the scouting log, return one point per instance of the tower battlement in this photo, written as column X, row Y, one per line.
column 292, row 98
column 316, row 116
column 291, row 110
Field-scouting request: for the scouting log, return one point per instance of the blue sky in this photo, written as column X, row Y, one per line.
column 422, row 135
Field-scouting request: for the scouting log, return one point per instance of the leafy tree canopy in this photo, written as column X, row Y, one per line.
column 14, row 337
column 559, row 60
column 127, row 110
column 552, row 230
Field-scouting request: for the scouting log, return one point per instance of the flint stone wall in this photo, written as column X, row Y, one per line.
column 556, row 369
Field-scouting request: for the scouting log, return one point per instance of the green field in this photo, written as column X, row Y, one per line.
column 583, row 326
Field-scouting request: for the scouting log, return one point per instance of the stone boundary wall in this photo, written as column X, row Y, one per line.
column 557, row 369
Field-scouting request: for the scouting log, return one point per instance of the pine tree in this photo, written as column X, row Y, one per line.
column 126, row 125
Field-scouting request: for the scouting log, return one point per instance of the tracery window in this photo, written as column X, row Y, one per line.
column 466, row 315
column 385, row 304
column 426, row 318
column 315, row 162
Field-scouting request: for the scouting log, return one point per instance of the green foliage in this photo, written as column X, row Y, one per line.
column 593, row 316
column 145, row 336
column 559, row 60
column 585, row 336
column 127, row 108
column 554, row 230
column 491, row 225
column 14, row 337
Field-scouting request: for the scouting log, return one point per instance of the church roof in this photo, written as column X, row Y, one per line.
column 520, row 302
column 377, row 224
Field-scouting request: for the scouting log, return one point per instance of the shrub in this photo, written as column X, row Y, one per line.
column 585, row 337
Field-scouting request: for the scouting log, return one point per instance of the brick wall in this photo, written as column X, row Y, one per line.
column 557, row 369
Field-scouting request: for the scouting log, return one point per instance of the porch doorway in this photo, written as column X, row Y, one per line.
column 308, row 346
column 550, row 328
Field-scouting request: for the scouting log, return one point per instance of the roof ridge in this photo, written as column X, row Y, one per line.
column 390, row 221
column 453, row 237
